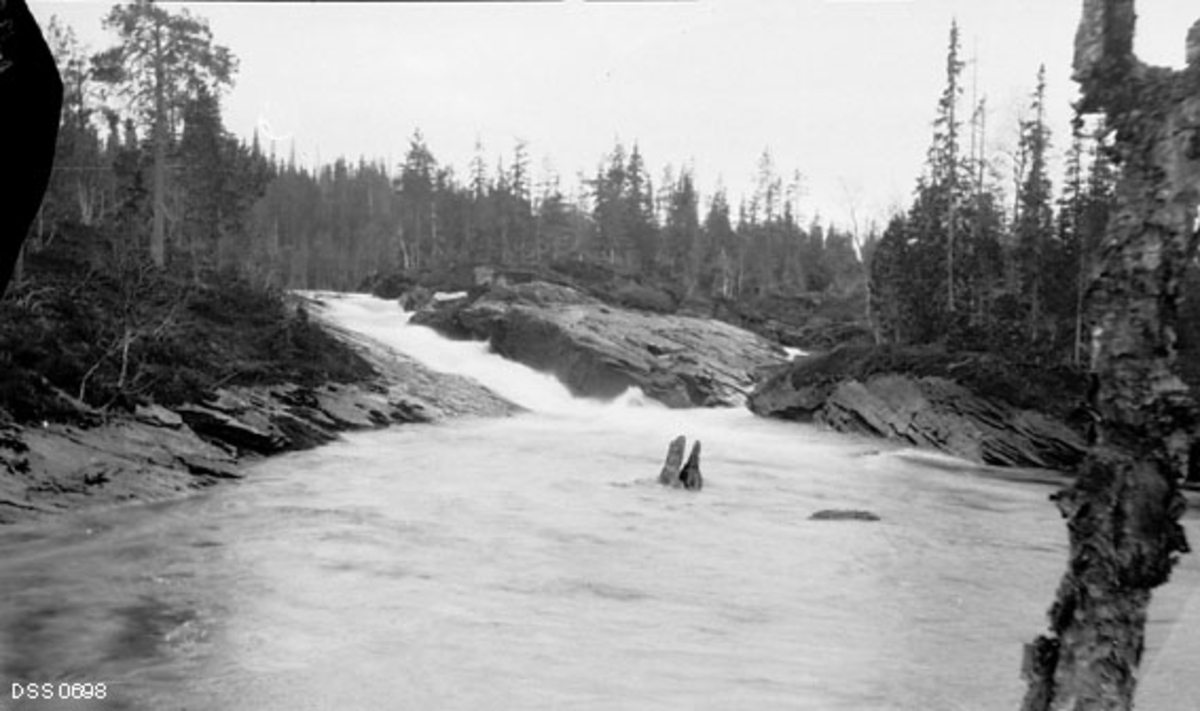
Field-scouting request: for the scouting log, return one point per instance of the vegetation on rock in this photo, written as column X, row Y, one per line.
column 976, row 406
column 77, row 340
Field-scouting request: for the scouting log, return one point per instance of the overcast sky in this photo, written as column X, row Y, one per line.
column 842, row 90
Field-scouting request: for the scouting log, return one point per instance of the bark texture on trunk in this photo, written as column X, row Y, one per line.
column 1123, row 510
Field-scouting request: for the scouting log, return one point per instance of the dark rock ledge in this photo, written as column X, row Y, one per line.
column 157, row 453
column 975, row 406
column 598, row 350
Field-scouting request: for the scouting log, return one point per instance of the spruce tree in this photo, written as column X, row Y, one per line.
column 416, row 188
column 945, row 160
column 723, row 247
column 682, row 236
column 1035, row 223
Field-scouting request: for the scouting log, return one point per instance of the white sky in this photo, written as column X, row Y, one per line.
column 843, row 91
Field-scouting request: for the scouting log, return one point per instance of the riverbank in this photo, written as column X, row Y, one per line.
column 144, row 388
column 1023, row 425
column 980, row 407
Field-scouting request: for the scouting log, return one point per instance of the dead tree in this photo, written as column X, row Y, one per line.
column 31, row 94
column 1123, row 509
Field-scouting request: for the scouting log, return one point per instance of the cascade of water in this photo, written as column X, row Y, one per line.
column 540, row 392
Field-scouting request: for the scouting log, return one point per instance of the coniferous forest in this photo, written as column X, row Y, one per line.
column 228, row 203
column 992, row 254
column 985, row 257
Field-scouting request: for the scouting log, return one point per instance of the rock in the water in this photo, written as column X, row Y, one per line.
column 686, row 476
column 669, row 476
column 600, row 351
column 690, row 476
column 843, row 515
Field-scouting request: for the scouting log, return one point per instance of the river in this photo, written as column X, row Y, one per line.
column 533, row 563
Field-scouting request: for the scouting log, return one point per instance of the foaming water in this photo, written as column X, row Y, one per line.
column 386, row 322
column 533, row 563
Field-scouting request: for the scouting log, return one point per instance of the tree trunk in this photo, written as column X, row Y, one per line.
column 1124, row 507
column 158, row 240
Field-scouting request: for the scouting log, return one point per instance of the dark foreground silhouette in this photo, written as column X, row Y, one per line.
column 31, row 92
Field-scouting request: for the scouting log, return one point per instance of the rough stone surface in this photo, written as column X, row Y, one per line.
column 599, row 350
column 943, row 415
column 669, row 476
column 690, row 476
column 409, row 392
column 157, row 415
column 676, row 473
column 158, row 453
column 61, row 467
column 902, row 399
column 213, row 424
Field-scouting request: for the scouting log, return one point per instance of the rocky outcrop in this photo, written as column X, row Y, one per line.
column 690, row 476
column 160, row 452
column 60, row 467
column 973, row 406
column 598, row 350
column 669, row 476
column 686, row 476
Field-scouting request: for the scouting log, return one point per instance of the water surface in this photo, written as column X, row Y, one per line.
column 533, row 563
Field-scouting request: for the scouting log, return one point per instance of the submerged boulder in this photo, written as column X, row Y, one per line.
column 843, row 515
column 598, row 350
